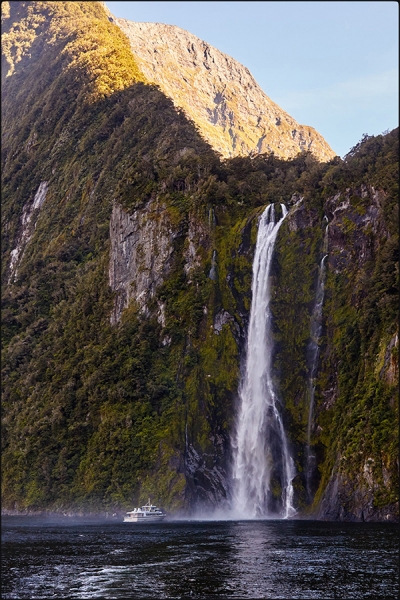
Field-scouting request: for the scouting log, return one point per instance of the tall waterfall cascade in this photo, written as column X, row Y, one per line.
column 313, row 351
column 263, row 469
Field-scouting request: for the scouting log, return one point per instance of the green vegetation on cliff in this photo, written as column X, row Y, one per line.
column 97, row 416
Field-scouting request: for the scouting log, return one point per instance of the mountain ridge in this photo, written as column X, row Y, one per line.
column 219, row 94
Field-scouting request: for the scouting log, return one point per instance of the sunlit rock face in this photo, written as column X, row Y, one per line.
column 219, row 94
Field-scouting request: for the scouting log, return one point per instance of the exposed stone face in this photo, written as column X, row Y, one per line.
column 366, row 229
column 29, row 218
column 353, row 239
column 141, row 246
column 206, row 477
column 299, row 216
column 219, row 94
column 198, row 236
column 141, row 249
column 221, row 318
column 353, row 500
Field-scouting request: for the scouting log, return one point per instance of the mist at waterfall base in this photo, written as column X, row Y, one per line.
column 78, row 558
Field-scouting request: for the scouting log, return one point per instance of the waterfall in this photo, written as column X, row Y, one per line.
column 213, row 271
column 313, row 353
column 263, row 469
column 211, row 218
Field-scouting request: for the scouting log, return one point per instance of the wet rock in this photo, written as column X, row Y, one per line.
column 348, row 499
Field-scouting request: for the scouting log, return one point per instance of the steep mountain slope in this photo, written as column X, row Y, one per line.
column 70, row 150
column 220, row 95
column 126, row 287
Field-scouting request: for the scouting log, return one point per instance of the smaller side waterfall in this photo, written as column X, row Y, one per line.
column 211, row 218
column 213, row 271
column 313, row 352
column 263, row 469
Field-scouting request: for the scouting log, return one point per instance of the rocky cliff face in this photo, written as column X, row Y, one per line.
column 219, row 94
column 27, row 226
column 141, row 246
column 357, row 364
column 358, row 232
column 347, row 499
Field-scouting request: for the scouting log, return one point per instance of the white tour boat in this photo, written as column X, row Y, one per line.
column 146, row 514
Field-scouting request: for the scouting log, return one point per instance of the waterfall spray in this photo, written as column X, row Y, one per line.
column 263, row 469
column 313, row 348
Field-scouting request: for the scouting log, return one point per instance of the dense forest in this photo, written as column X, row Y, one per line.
column 113, row 393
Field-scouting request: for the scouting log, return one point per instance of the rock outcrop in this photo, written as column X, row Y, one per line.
column 364, row 226
column 141, row 246
column 219, row 94
column 347, row 499
column 28, row 223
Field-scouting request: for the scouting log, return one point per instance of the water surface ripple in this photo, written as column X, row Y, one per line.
column 77, row 558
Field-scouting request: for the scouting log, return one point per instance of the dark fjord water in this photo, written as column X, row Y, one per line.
column 194, row 559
